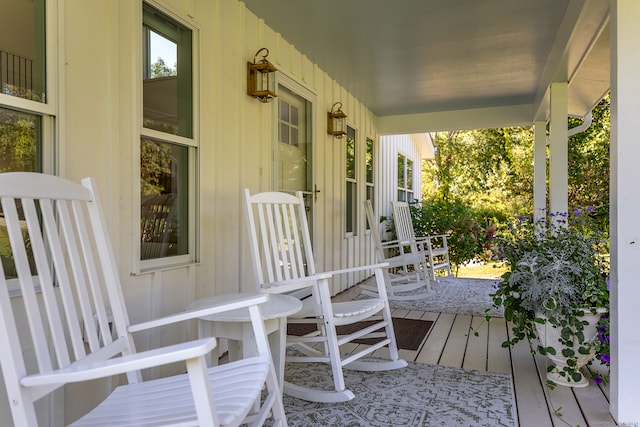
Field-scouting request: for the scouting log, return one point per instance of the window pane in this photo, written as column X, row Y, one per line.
column 351, row 153
column 284, row 111
column 369, row 161
column 351, row 209
column 284, row 133
column 167, row 81
column 20, row 151
column 22, row 49
column 164, row 223
column 20, row 141
column 400, row 171
column 409, row 175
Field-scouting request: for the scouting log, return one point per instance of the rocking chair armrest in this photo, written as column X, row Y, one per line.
column 291, row 285
column 226, row 303
column 122, row 365
column 358, row 268
column 390, row 244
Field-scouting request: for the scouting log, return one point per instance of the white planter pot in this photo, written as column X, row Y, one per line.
column 549, row 336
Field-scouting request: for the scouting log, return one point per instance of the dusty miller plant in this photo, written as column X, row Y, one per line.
column 557, row 272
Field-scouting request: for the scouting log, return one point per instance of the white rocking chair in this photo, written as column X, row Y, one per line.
column 402, row 279
column 434, row 248
column 76, row 327
column 284, row 263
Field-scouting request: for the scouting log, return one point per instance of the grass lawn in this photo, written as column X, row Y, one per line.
column 483, row 271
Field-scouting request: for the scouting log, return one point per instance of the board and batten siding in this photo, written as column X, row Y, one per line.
column 415, row 147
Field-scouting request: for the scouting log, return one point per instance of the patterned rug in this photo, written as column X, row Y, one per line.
column 418, row 395
column 456, row 296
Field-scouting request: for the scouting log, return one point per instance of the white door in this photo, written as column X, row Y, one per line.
column 292, row 157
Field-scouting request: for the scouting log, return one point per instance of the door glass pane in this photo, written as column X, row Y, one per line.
column 164, row 221
column 167, row 81
column 22, row 49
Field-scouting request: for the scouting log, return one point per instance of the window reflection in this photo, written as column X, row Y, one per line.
column 22, row 49
column 164, row 209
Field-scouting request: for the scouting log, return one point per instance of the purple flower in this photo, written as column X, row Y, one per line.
column 605, row 358
column 597, row 379
column 590, row 208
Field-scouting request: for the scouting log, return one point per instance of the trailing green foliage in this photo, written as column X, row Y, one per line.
column 558, row 270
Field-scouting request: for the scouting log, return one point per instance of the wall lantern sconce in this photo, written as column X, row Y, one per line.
column 336, row 123
column 260, row 77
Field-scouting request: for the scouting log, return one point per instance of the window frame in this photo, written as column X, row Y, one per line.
column 353, row 183
column 140, row 266
column 407, row 187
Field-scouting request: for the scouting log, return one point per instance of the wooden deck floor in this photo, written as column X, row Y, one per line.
column 452, row 342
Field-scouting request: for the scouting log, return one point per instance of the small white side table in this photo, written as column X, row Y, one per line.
column 235, row 325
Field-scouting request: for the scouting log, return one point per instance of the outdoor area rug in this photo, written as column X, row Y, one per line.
column 418, row 395
column 456, row 296
column 410, row 333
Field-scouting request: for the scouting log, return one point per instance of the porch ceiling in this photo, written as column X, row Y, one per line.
column 452, row 64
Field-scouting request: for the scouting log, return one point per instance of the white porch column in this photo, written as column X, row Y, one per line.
column 625, row 211
column 539, row 170
column 558, row 152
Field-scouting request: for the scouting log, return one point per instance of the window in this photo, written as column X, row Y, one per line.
column 369, row 181
column 27, row 112
column 405, row 179
column 352, row 183
column 167, row 143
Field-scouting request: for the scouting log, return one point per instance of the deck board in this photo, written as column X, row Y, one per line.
column 476, row 353
column 436, row 340
column 455, row 347
column 498, row 357
column 530, row 398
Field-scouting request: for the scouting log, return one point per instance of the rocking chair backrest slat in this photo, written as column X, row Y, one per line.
column 26, row 282
column 67, row 279
column 281, row 247
column 402, row 221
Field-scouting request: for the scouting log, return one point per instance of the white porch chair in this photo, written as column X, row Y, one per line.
column 76, row 327
column 284, row 263
column 434, row 247
column 402, row 279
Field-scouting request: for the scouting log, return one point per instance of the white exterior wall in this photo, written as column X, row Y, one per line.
column 414, row 147
column 99, row 114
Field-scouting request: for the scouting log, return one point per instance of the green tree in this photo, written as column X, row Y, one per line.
column 589, row 165
column 488, row 169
